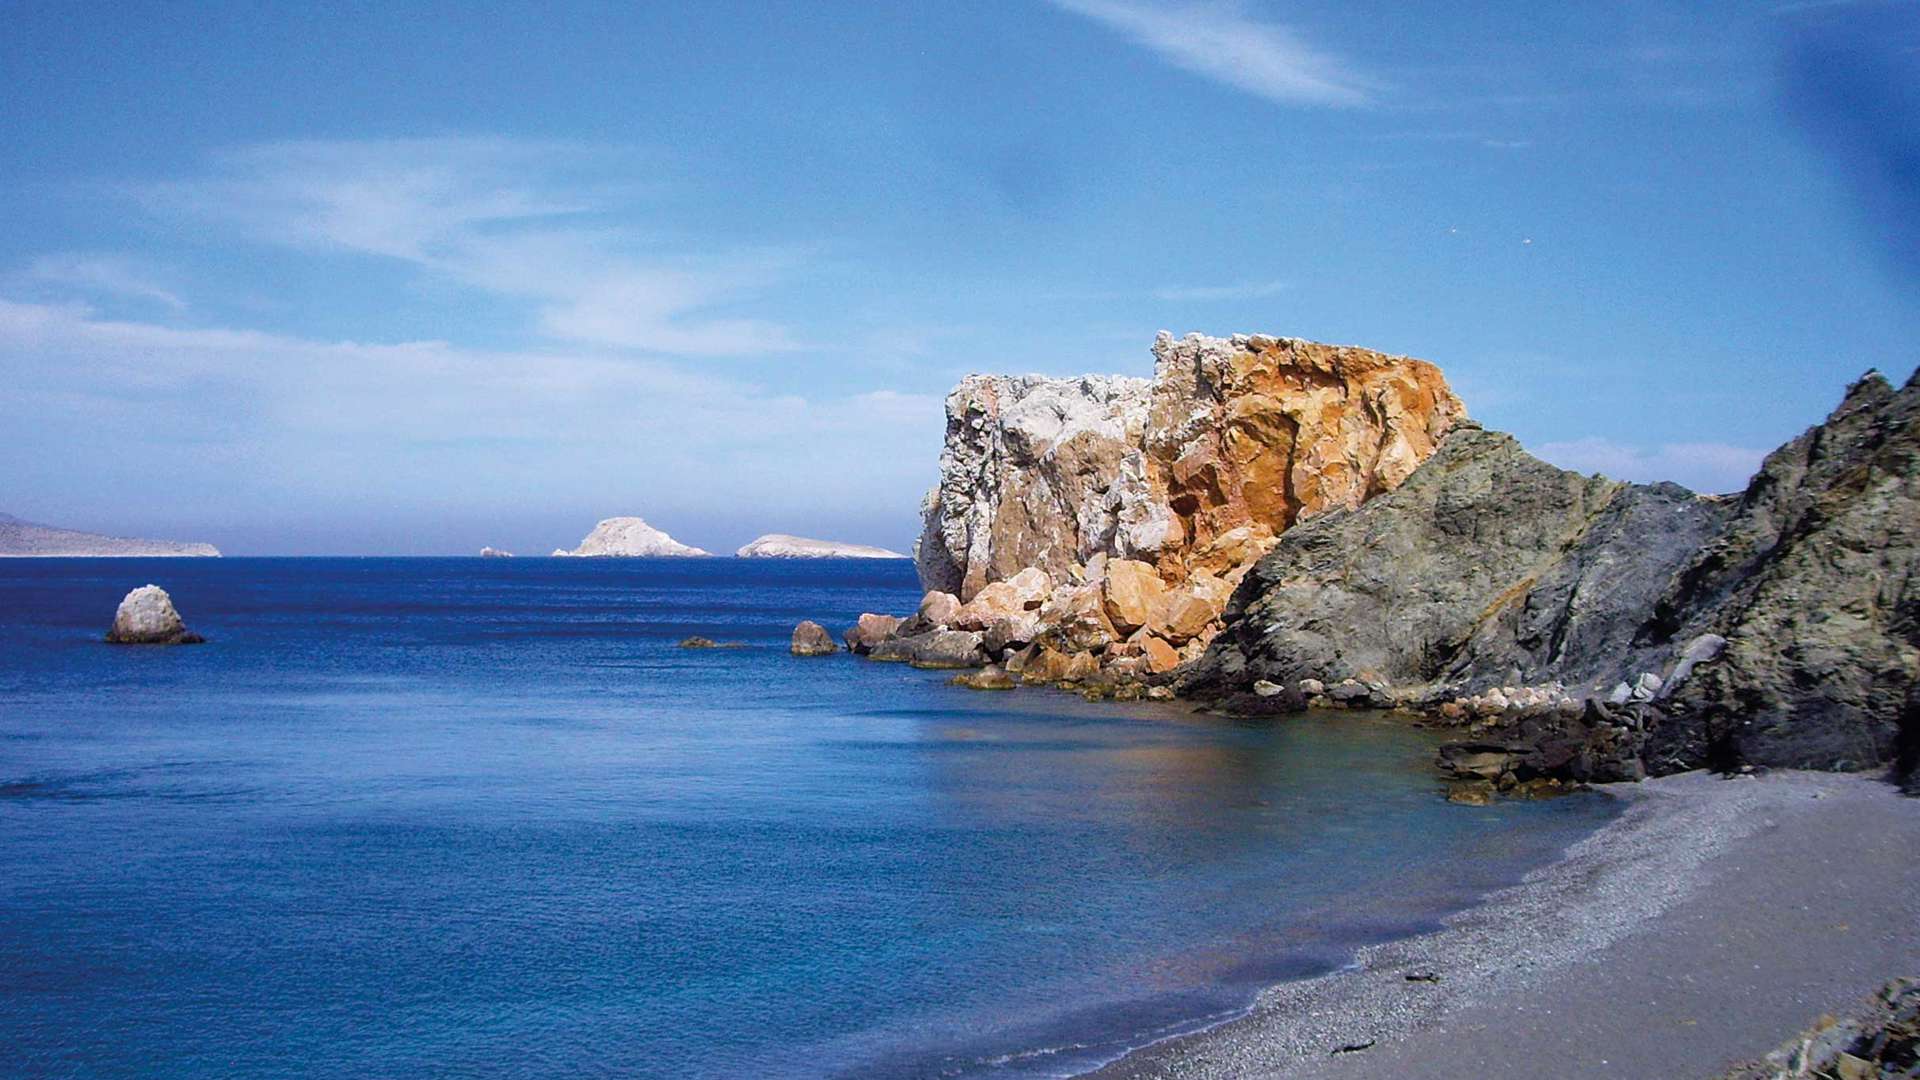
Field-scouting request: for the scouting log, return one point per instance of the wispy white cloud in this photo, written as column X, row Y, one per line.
column 112, row 275
column 1222, row 42
column 1702, row 466
column 516, row 218
column 1250, row 290
column 286, row 423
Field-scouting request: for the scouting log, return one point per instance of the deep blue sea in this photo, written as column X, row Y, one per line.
column 483, row 818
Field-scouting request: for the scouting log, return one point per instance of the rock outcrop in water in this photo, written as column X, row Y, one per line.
column 1192, row 473
column 1594, row 630
column 147, row 617
column 495, row 553
column 628, row 537
column 782, row 546
column 24, row 539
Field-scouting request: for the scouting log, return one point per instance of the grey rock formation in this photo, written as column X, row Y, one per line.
column 147, row 617
column 1815, row 585
column 628, row 537
column 1488, row 567
column 24, row 539
column 1779, row 628
column 934, row 649
column 782, row 546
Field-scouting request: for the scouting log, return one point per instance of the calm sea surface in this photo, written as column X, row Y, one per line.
column 482, row 817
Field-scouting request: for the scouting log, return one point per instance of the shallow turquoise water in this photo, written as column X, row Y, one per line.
column 467, row 817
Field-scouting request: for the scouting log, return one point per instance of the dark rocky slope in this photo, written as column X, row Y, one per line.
column 1490, row 570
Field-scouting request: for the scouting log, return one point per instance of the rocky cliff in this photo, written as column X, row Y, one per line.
column 628, row 537
column 1193, row 472
column 26, row 539
column 1593, row 629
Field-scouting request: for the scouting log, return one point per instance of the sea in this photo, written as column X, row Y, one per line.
column 485, row 817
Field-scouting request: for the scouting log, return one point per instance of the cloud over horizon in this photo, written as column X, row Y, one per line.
column 1221, row 42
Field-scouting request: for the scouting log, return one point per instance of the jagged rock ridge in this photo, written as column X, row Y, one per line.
column 1778, row 628
column 25, row 539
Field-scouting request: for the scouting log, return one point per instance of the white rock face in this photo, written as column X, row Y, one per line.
column 495, row 553
column 628, row 537
column 24, row 539
column 782, row 546
column 147, row 617
column 1027, row 477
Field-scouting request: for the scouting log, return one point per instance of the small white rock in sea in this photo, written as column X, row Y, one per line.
column 147, row 617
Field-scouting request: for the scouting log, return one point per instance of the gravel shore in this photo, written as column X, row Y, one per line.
column 1713, row 919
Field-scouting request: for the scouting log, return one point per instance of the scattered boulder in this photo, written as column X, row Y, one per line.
column 933, row 649
column 1133, row 594
column 1012, row 631
column 147, row 617
column 1076, row 620
column 937, row 610
column 812, row 639
column 698, row 642
column 870, row 631
column 991, row 677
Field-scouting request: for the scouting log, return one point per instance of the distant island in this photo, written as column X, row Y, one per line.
column 782, row 546
column 627, row 537
column 26, row 540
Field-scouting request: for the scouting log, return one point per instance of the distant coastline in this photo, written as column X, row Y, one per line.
column 31, row 540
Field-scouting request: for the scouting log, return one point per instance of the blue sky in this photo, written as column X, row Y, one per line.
column 414, row 279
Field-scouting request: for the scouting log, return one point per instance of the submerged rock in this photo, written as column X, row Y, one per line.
column 991, row 677
column 147, row 617
column 812, row 639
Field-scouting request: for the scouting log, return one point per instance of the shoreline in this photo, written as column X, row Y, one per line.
column 1711, row 920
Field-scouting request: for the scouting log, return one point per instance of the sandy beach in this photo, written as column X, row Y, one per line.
column 1710, row 922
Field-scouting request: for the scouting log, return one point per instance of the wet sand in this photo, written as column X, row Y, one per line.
column 1710, row 922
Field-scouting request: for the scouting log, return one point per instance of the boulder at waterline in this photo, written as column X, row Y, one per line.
column 870, row 631
column 147, row 617
column 991, row 677
column 812, row 639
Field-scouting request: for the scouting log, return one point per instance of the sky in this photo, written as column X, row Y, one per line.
column 411, row 278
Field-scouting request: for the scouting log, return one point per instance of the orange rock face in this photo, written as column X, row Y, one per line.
column 1245, row 437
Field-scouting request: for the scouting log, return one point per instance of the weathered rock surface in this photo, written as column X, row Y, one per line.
column 991, row 677
column 782, row 546
column 1231, row 442
column 1815, row 585
column 812, row 639
column 24, row 539
column 1487, row 567
column 147, row 617
column 1779, row 628
column 1879, row 1040
column 934, row 649
column 869, row 631
column 495, row 553
column 628, row 537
